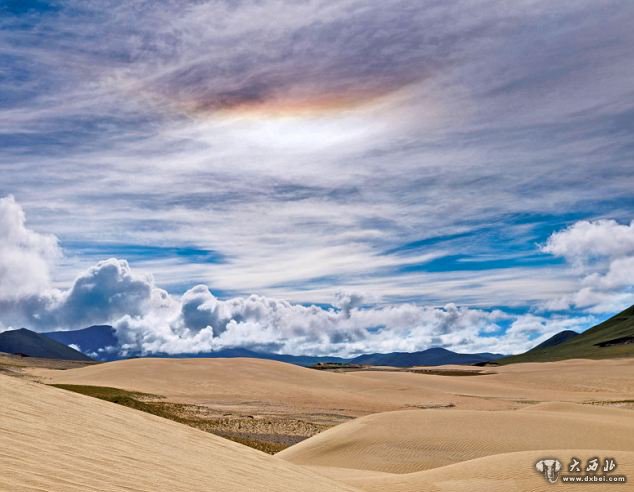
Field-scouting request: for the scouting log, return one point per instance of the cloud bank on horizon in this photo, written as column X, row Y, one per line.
column 148, row 319
column 382, row 176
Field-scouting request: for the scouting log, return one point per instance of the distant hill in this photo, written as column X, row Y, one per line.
column 612, row 338
column 93, row 340
column 29, row 343
column 559, row 338
column 431, row 357
column 299, row 360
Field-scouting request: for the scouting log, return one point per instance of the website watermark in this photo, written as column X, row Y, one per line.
column 590, row 470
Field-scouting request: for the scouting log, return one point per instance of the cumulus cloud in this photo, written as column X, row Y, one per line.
column 602, row 254
column 104, row 292
column 588, row 241
column 25, row 255
column 203, row 323
column 346, row 301
column 620, row 274
column 150, row 320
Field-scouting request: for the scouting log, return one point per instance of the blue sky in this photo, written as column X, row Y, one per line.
column 407, row 154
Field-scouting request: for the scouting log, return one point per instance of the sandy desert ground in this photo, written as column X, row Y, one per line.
column 506, row 472
column 398, row 431
column 56, row 440
column 412, row 440
column 253, row 385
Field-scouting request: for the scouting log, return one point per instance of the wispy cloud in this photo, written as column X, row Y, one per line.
column 318, row 146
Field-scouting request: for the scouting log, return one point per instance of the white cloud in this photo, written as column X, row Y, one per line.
column 105, row 291
column 602, row 254
column 25, row 255
column 204, row 323
column 468, row 134
column 620, row 274
column 588, row 241
column 148, row 319
column 529, row 330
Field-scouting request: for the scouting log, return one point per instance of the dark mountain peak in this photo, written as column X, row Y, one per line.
column 94, row 340
column 434, row 356
column 32, row 344
column 437, row 350
column 556, row 339
column 98, row 328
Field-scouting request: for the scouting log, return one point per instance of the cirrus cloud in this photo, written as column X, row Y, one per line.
column 412, row 152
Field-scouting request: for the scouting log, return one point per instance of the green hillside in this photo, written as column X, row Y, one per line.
column 612, row 338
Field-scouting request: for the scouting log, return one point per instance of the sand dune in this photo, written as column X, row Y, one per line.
column 278, row 387
column 55, row 440
column 415, row 429
column 571, row 380
column 253, row 384
column 511, row 472
column 414, row 440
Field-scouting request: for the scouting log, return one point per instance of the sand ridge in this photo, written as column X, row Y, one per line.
column 415, row 440
column 508, row 472
column 55, row 440
column 415, row 431
column 279, row 387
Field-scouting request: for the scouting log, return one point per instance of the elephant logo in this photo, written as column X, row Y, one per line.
column 549, row 468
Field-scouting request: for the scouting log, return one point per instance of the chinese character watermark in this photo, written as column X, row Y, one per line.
column 594, row 470
column 575, row 465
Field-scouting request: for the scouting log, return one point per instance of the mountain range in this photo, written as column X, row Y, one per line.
column 435, row 356
column 96, row 341
column 612, row 338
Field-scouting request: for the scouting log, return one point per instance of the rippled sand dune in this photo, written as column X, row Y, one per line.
column 55, row 440
column 416, row 440
column 508, row 472
column 256, row 384
column 402, row 431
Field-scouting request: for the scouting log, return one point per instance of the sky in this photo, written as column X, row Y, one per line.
column 315, row 177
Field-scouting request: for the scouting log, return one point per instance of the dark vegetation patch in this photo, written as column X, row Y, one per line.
column 616, row 341
column 450, row 372
column 436, row 372
column 428, row 406
column 334, row 366
column 269, row 434
column 629, row 404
